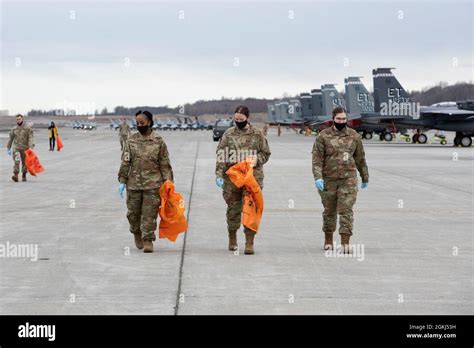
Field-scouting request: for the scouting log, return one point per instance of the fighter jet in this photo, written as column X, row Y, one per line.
column 392, row 106
column 77, row 125
column 289, row 113
column 182, row 124
column 163, row 125
column 203, row 124
column 323, row 101
column 156, row 124
column 206, row 125
column 195, row 124
column 115, row 124
column 132, row 124
column 317, row 107
column 172, row 125
column 309, row 110
column 358, row 101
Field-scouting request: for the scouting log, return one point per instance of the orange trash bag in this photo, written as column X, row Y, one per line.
column 171, row 211
column 32, row 163
column 60, row 143
column 241, row 174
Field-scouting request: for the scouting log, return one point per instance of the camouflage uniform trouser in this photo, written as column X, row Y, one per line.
column 123, row 140
column 234, row 196
column 17, row 156
column 338, row 197
column 143, row 211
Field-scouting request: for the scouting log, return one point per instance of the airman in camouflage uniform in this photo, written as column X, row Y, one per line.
column 145, row 167
column 235, row 145
column 21, row 139
column 337, row 155
column 124, row 133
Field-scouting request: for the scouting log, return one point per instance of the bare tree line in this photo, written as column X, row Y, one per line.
column 440, row 93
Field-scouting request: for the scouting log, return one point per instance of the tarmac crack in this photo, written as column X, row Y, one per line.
column 180, row 277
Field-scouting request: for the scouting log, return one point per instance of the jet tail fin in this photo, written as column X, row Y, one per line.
column 331, row 98
column 358, row 98
column 387, row 89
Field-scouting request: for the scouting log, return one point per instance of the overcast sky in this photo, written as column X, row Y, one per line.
column 108, row 53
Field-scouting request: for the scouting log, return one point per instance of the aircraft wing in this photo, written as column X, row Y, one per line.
column 450, row 112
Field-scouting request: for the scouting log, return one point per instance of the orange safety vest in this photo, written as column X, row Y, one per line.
column 241, row 175
column 32, row 163
column 171, row 211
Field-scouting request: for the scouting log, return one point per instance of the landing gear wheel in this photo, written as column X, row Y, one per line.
column 381, row 136
column 388, row 136
column 368, row 136
column 466, row 141
column 414, row 138
column 457, row 141
column 422, row 138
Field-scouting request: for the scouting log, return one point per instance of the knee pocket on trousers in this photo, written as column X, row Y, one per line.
column 232, row 197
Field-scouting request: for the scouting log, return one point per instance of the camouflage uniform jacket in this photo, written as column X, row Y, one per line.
column 21, row 137
column 338, row 154
column 124, row 130
column 145, row 162
column 235, row 144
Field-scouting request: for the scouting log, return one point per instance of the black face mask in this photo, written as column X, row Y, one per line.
column 242, row 124
column 143, row 129
column 20, row 123
column 340, row 126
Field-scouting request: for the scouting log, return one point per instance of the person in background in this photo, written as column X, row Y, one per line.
column 124, row 133
column 20, row 140
column 53, row 135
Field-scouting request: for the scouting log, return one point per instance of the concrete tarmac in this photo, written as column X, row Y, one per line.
column 413, row 227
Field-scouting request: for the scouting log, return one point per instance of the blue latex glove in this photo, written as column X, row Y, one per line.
column 319, row 184
column 364, row 185
column 121, row 188
column 219, row 182
column 9, row 151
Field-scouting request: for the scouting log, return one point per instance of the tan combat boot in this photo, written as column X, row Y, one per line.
column 233, row 240
column 23, row 178
column 15, row 177
column 345, row 243
column 249, row 236
column 148, row 246
column 328, row 242
column 138, row 240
